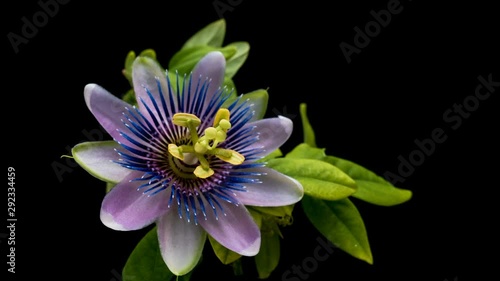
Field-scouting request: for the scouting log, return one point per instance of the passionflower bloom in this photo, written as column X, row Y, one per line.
column 185, row 158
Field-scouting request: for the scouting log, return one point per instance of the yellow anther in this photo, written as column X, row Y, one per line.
column 230, row 156
column 186, row 120
column 175, row 151
column 202, row 172
column 222, row 113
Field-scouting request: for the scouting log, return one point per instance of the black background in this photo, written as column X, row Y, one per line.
column 370, row 111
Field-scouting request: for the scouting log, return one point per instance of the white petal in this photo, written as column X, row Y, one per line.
column 97, row 158
column 181, row 242
column 274, row 189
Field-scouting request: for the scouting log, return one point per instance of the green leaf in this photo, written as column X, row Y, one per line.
column 148, row 53
column 268, row 257
column 129, row 97
column 341, row 223
column 234, row 63
column 319, row 179
column 229, row 84
column 257, row 217
column 145, row 261
column 259, row 98
column 371, row 187
column 127, row 70
column 109, row 186
column 276, row 153
column 185, row 277
column 281, row 211
column 225, row 255
column 185, row 59
column 381, row 194
column 211, row 35
column 129, row 60
column 309, row 136
column 304, row 150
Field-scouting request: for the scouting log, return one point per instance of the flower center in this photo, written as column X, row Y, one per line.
column 204, row 145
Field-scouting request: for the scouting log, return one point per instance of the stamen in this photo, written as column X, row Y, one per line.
column 222, row 113
column 206, row 144
column 203, row 173
column 186, row 120
column 230, row 156
column 175, row 151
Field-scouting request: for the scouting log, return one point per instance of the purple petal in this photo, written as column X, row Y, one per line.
column 97, row 158
column 275, row 189
column 212, row 67
column 107, row 109
column 181, row 242
column 272, row 132
column 146, row 73
column 126, row 208
column 234, row 228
